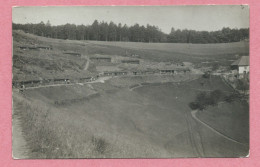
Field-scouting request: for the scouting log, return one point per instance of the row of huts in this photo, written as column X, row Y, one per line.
column 100, row 59
column 38, row 82
column 35, row 47
column 147, row 72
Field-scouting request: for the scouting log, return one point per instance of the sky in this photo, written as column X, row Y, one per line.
column 207, row 17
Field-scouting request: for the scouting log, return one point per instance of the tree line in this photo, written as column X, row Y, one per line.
column 103, row 31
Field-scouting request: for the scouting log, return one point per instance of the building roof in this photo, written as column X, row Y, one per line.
column 28, row 46
column 243, row 61
column 130, row 60
column 43, row 46
column 175, row 68
column 72, row 53
column 100, row 57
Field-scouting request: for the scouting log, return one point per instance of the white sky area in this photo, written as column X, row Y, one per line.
column 207, row 17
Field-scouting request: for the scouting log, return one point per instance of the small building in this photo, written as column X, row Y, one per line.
column 31, row 83
column 166, row 71
column 115, row 73
column 120, row 73
column 44, row 47
column 107, row 73
column 86, row 79
column 131, row 61
column 61, row 81
column 73, row 54
column 137, row 72
column 182, row 70
column 135, row 55
column 100, row 59
column 28, row 47
column 241, row 65
column 67, row 81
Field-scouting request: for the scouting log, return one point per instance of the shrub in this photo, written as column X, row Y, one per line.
column 204, row 99
column 230, row 98
column 100, row 145
column 206, row 75
column 242, row 85
column 216, row 96
column 195, row 106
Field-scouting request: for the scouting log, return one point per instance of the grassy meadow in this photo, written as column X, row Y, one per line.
column 149, row 121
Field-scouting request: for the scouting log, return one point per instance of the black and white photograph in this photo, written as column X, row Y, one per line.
column 130, row 82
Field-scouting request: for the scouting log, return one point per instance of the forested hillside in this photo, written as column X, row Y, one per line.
column 103, row 31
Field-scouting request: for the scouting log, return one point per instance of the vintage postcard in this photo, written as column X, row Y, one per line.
column 130, row 81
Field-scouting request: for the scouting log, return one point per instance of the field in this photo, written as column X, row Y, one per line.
column 149, row 121
column 190, row 49
column 145, row 116
column 194, row 53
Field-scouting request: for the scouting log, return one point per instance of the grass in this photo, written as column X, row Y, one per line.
column 61, row 93
column 135, row 80
column 195, row 53
column 145, row 122
column 231, row 119
column 35, row 64
column 55, row 133
column 48, row 137
column 191, row 49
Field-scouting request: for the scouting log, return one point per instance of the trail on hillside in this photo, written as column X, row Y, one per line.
column 195, row 139
column 87, row 64
column 193, row 113
column 209, row 90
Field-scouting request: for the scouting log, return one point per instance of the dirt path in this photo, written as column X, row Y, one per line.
column 137, row 86
column 87, row 64
column 19, row 145
column 193, row 113
column 209, row 90
column 46, row 86
column 194, row 137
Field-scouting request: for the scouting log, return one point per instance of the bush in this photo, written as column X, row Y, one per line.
column 242, row 85
column 216, row 96
column 230, row 98
column 195, row 106
column 203, row 99
column 206, row 75
column 206, row 99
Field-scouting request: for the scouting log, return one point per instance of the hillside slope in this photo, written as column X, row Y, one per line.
column 33, row 63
